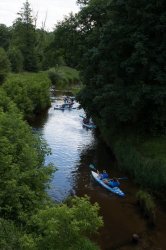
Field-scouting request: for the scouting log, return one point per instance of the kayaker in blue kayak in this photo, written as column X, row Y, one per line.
column 86, row 120
column 112, row 182
column 103, row 175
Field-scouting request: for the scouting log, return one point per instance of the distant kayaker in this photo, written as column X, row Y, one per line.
column 86, row 120
column 103, row 175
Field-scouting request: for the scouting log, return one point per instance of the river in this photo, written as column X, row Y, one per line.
column 73, row 149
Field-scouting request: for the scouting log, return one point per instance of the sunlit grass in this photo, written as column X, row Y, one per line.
column 40, row 76
column 154, row 147
column 65, row 78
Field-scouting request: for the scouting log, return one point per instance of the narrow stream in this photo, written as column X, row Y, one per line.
column 73, row 149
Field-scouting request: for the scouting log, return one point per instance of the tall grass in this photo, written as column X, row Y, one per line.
column 143, row 158
column 148, row 172
column 64, row 77
column 147, row 205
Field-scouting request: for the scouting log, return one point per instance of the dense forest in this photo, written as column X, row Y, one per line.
column 119, row 47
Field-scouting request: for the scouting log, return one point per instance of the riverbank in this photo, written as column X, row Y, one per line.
column 31, row 91
column 65, row 78
column 143, row 158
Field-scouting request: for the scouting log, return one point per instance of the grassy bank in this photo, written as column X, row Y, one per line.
column 29, row 91
column 29, row 76
column 65, row 78
column 143, row 158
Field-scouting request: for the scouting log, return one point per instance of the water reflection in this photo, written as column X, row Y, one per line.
column 66, row 137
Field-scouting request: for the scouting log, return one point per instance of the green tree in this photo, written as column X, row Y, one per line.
column 66, row 42
column 9, row 235
column 24, row 176
column 30, row 92
column 25, row 37
column 4, row 65
column 124, row 70
column 16, row 59
column 5, row 36
column 76, row 222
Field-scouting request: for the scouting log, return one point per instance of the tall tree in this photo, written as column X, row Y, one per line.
column 16, row 59
column 25, row 38
column 124, row 71
column 5, row 36
column 4, row 65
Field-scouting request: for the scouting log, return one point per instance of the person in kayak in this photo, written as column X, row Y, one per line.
column 103, row 175
column 112, row 182
column 86, row 120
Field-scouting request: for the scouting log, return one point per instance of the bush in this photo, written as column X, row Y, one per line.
column 147, row 205
column 54, row 76
column 63, row 76
column 16, row 59
column 30, row 92
column 4, row 65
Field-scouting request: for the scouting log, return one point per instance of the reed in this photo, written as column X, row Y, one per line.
column 143, row 158
column 64, row 77
column 147, row 205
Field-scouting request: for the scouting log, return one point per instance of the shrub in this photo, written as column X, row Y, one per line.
column 4, row 65
column 147, row 205
column 54, row 76
column 16, row 59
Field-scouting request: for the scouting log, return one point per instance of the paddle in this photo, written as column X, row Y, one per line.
column 81, row 116
column 94, row 168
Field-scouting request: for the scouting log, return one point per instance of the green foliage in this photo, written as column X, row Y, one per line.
column 16, row 59
column 147, row 205
column 144, row 158
column 25, row 37
column 12, row 237
column 30, row 92
column 5, row 36
column 123, row 66
column 75, row 222
column 24, row 176
column 54, row 76
column 67, row 41
column 9, row 235
column 4, row 65
column 64, row 76
column 146, row 171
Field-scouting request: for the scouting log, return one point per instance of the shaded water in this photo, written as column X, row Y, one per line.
column 73, row 149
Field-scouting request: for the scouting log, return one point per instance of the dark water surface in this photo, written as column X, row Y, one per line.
column 73, row 149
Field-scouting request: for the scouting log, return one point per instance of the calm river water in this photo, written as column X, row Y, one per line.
column 73, row 149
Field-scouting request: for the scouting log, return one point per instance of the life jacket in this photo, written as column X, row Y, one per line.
column 113, row 184
column 104, row 176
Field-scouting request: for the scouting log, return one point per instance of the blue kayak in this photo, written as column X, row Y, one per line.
column 89, row 125
column 115, row 190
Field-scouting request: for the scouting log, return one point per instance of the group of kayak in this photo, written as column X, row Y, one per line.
column 68, row 104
